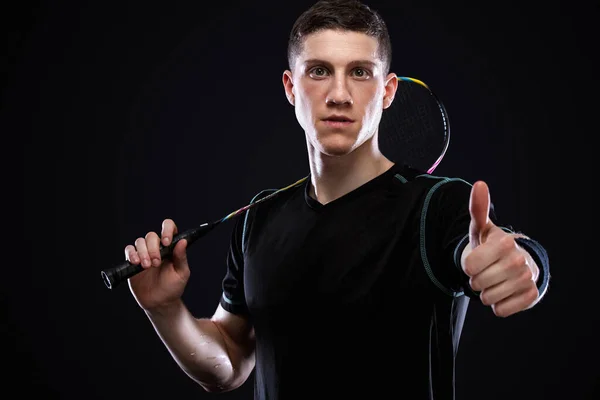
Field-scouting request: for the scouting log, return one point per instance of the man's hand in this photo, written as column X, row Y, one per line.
column 503, row 272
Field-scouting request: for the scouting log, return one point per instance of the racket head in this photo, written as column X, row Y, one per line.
column 415, row 129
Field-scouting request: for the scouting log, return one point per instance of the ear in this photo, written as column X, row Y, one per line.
column 391, row 85
column 288, row 85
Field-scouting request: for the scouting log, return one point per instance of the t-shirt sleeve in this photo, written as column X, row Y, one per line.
column 233, row 298
column 447, row 233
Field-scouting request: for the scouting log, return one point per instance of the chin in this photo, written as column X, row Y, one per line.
column 336, row 145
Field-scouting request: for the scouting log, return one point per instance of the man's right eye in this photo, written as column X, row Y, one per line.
column 318, row 71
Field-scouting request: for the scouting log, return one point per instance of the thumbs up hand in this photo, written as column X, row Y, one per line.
column 502, row 271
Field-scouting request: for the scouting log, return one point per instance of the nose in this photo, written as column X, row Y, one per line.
column 339, row 93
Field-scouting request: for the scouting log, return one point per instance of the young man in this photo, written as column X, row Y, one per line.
column 355, row 283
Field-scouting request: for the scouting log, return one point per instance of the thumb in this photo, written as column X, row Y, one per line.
column 180, row 256
column 479, row 208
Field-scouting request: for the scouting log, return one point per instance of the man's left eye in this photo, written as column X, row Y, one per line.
column 361, row 73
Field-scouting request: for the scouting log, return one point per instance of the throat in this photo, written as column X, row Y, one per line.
column 328, row 185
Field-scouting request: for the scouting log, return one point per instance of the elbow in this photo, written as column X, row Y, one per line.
column 215, row 388
column 239, row 375
column 221, row 387
column 228, row 379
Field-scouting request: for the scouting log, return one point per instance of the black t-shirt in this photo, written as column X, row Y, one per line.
column 362, row 297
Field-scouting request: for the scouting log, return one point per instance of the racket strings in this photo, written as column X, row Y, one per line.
column 412, row 120
column 415, row 129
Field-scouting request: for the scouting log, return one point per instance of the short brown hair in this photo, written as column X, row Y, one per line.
column 348, row 15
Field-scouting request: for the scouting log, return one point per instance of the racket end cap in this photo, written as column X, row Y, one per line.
column 106, row 279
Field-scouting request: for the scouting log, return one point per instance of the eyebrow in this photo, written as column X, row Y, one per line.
column 352, row 63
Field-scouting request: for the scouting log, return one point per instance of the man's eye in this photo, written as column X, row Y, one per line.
column 361, row 73
column 318, row 71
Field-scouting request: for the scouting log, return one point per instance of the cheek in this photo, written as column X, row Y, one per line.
column 373, row 105
column 302, row 110
column 306, row 100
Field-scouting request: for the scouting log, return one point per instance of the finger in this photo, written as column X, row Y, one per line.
column 131, row 255
column 517, row 302
column 507, row 288
column 180, row 262
column 153, row 246
column 505, row 268
column 142, row 251
column 169, row 230
column 479, row 208
column 492, row 251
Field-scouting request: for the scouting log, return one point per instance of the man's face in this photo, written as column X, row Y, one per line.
column 338, row 89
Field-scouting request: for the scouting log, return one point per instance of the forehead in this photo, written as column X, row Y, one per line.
column 339, row 47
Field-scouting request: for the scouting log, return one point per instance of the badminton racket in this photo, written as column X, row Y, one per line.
column 414, row 131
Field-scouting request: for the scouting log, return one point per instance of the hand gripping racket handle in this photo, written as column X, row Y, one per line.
column 115, row 275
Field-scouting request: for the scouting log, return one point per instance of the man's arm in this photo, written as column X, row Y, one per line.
column 503, row 266
column 218, row 353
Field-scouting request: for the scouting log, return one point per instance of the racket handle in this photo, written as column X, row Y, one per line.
column 119, row 273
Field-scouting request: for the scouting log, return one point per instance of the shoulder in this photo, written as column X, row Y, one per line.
column 263, row 202
column 433, row 184
column 274, row 196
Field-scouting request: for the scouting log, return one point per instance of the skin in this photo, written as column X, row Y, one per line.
column 502, row 271
column 340, row 73
column 348, row 79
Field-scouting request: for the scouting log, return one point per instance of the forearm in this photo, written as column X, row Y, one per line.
column 197, row 345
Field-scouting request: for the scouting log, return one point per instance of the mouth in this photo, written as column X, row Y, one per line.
column 338, row 121
column 338, row 118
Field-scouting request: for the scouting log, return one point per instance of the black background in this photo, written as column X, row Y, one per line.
column 126, row 113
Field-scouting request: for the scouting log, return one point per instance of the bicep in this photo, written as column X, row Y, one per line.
column 238, row 334
column 237, row 327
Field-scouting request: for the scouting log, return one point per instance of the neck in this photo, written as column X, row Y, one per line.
column 334, row 176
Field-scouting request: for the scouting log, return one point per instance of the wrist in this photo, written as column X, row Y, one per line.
column 168, row 309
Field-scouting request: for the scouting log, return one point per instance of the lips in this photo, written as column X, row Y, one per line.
column 338, row 118
column 338, row 123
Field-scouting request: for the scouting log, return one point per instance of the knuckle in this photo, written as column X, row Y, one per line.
column 527, row 275
column 507, row 243
column 498, row 311
column 153, row 254
column 503, row 312
column 466, row 269
column 520, row 259
column 468, row 265
column 532, row 295
column 484, row 297
column 517, row 262
column 150, row 235
column 474, row 284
